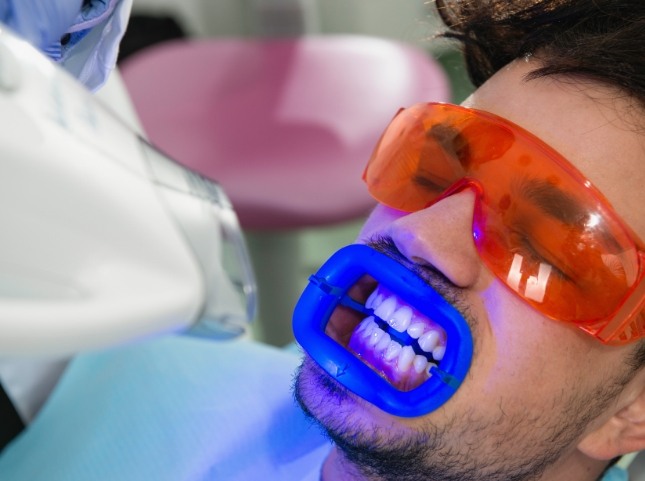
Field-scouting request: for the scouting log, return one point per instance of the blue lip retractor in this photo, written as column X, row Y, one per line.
column 327, row 289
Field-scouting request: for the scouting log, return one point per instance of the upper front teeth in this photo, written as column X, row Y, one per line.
column 431, row 338
column 416, row 329
column 373, row 299
column 438, row 352
column 429, row 341
column 386, row 309
column 400, row 319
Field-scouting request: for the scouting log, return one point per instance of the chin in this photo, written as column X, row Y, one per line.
column 338, row 411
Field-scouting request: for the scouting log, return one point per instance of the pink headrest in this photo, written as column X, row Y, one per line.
column 286, row 126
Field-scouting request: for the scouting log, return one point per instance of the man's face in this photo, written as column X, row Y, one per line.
column 536, row 387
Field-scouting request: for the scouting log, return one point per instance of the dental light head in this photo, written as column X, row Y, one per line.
column 104, row 239
column 383, row 333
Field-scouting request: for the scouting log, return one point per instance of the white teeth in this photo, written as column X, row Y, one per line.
column 363, row 325
column 386, row 308
column 401, row 319
column 419, row 363
column 369, row 328
column 370, row 300
column 375, row 337
column 429, row 337
column 383, row 343
column 429, row 341
column 405, row 359
column 438, row 352
column 393, row 350
column 416, row 330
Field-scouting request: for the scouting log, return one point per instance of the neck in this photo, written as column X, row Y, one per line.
column 575, row 467
column 337, row 468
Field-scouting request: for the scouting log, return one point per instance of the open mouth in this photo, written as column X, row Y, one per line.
column 390, row 336
column 383, row 332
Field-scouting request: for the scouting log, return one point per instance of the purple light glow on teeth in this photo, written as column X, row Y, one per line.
column 400, row 364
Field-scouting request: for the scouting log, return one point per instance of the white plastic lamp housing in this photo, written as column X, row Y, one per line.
column 103, row 239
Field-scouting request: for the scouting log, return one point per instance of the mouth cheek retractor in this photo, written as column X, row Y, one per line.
column 328, row 290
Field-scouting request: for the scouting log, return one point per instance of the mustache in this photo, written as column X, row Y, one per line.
column 429, row 273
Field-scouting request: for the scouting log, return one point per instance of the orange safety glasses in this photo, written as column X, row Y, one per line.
column 539, row 225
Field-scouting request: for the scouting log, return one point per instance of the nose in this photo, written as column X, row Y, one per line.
column 441, row 236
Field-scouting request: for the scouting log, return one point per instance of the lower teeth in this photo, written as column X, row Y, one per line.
column 382, row 349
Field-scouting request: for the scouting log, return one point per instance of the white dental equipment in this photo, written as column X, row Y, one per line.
column 103, row 239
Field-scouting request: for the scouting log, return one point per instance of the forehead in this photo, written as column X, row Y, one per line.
column 594, row 128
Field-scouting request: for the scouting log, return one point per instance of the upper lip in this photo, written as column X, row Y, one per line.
column 430, row 274
column 344, row 320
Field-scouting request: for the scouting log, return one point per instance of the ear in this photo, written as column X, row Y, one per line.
column 624, row 431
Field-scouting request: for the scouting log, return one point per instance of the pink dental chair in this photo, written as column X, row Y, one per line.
column 286, row 127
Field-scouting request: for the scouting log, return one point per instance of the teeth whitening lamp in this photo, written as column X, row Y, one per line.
column 103, row 239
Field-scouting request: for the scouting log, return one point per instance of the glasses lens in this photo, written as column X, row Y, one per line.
column 393, row 172
column 557, row 248
column 539, row 225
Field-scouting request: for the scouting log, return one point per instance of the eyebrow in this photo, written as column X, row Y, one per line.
column 563, row 207
column 455, row 147
column 451, row 141
column 553, row 201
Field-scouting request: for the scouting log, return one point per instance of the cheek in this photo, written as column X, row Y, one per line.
column 523, row 350
column 526, row 364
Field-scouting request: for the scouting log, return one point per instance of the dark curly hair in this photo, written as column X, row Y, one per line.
column 602, row 40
